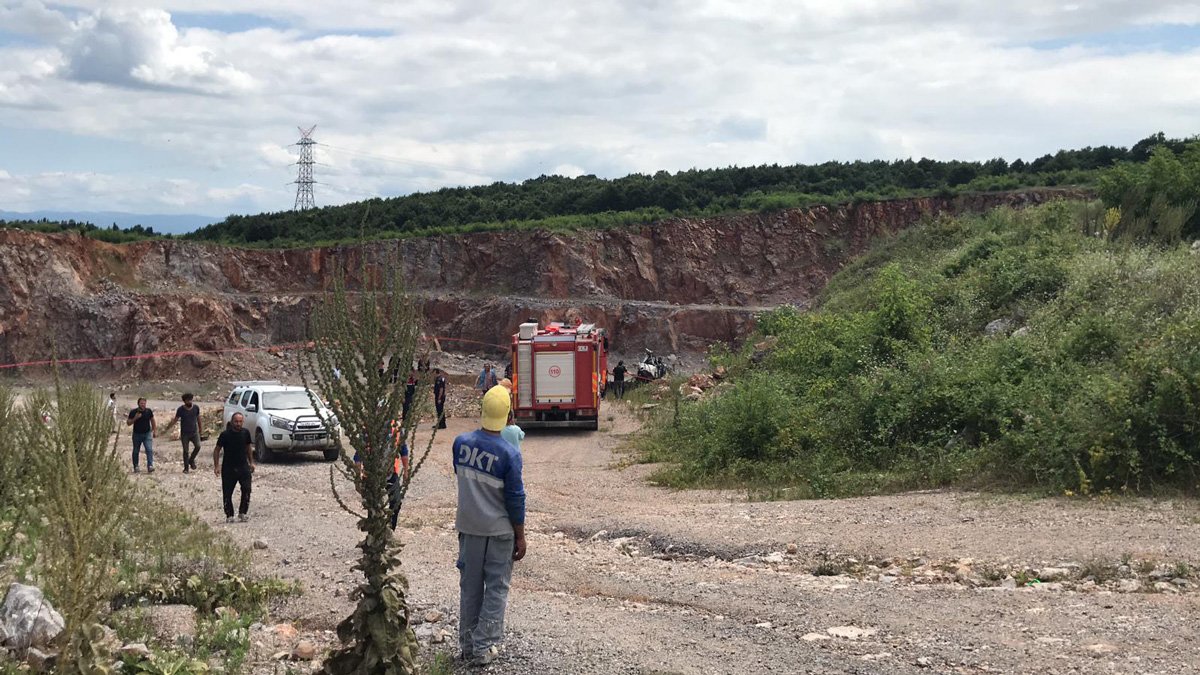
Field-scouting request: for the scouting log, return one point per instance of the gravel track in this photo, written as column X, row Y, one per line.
column 625, row 577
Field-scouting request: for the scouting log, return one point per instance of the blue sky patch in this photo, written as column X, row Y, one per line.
column 1161, row 38
column 235, row 22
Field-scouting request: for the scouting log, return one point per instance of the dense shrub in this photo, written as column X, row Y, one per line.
column 1088, row 380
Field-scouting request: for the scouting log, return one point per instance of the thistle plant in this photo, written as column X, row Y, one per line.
column 15, row 488
column 352, row 334
column 83, row 496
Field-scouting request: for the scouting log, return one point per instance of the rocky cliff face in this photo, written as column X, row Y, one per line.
column 676, row 285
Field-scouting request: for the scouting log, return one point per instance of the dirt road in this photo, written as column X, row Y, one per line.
column 625, row 577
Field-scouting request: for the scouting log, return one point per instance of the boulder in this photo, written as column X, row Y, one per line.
column 998, row 327
column 169, row 623
column 304, row 651
column 137, row 651
column 1053, row 573
column 27, row 619
column 40, row 661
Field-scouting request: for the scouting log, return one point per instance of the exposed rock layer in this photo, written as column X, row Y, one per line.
column 676, row 285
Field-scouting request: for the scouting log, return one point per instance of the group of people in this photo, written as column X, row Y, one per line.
column 233, row 455
column 490, row 514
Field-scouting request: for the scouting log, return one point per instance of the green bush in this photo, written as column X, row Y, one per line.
column 892, row 383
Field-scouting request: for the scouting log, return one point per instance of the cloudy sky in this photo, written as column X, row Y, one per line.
column 191, row 106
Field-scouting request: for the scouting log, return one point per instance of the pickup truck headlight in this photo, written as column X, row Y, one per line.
column 280, row 423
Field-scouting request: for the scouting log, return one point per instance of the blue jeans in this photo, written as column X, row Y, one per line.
column 485, row 570
column 147, row 440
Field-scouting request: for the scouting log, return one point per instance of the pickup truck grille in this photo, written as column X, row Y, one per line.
column 310, row 426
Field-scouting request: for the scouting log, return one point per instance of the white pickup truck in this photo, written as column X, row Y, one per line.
column 281, row 419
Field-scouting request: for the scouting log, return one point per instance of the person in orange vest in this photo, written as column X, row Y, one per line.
column 400, row 469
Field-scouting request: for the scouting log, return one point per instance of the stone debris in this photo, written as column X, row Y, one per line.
column 1165, row 587
column 261, row 544
column 1101, row 649
column 851, row 632
column 1129, row 585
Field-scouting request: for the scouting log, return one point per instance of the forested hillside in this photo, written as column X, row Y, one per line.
column 1056, row 348
column 588, row 201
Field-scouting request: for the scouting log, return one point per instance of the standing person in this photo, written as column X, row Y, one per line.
column 513, row 433
column 141, row 419
column 487, row 379
column 112, row 409
column 399, row 474
column 410, row 390
column 400, row 470
column 439, row 397
column 237, row 466
column 619, row 379
column 188, row 416
column 490, row 521
column 508, row 370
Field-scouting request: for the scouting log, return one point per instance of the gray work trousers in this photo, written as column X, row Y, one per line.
column 485, row 570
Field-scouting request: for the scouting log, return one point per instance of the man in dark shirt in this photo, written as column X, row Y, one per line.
column 237, row 467
column 439, row 397
column 619, row 379
column 410, row 389
column 188, row 416
column 141, row 419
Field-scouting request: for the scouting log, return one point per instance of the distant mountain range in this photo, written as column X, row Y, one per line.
column 171, row 224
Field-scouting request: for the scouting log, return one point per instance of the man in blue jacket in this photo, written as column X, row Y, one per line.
column 491, row 527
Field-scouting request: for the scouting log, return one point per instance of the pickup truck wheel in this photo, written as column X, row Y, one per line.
column 261, row 452
column 331, row 455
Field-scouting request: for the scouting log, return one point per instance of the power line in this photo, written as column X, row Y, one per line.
column 401, row 160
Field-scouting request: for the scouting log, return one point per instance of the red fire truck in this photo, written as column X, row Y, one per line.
column 559, row 373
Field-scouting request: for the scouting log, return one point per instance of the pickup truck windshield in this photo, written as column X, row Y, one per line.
column 286, row 400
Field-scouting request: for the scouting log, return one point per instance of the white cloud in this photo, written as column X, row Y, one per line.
column 436, row 93
column 33, row 18
column 142, row 48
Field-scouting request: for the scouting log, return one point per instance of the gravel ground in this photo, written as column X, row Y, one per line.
column 625, row 577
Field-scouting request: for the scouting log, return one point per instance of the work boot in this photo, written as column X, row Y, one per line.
column 486, row 657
